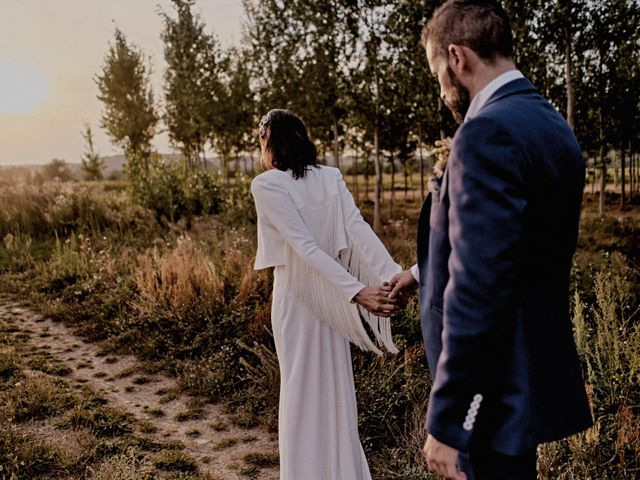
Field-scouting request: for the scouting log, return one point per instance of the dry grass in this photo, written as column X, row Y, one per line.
column 197, row 292
column 182, row 278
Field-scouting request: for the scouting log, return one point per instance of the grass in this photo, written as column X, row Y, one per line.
column 76, row 251
column 175, row 460
column 51, row 430
column 191, row 414
column 226, row 442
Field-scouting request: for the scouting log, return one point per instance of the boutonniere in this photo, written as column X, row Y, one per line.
column 440, row 152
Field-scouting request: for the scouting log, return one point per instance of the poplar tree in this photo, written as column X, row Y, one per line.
column 192, row 82
column 129, row 116
column 92, row 164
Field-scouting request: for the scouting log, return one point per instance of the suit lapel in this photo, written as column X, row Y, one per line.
column 445, row 182
column 423, row 230
column 519, row 85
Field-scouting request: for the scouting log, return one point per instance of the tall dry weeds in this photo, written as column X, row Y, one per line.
column 183, row 278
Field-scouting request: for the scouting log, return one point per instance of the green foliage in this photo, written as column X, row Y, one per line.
column 192, row 81
column 58, row 170
column 92, row 164
column 607, row 334
column 129, row 116
column 173, row 192
column 234, row 131
column 54, row 209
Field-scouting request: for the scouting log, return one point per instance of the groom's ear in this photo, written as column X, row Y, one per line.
column 457, row 58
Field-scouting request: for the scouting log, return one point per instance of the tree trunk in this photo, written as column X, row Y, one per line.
column 603, row 178
column 569, row 80
column 366, row 183
column 622, row 179
column 393, row 186
column 355, row 174
column 406, row 180
column 632, row 173
column 421, row 163
column 336, row 153
column 377, row 221
column 603, row 164
column 204, row 160
column 616, row 174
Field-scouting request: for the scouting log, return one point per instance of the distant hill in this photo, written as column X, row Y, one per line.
column 113, row 164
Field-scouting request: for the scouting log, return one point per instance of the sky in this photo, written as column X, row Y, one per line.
column 50, row 52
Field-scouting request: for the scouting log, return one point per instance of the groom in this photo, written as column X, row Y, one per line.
column 496, row 244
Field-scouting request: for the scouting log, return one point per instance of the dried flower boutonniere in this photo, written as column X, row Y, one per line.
column 440, row 152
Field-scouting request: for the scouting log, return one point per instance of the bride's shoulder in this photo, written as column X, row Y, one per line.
column 267, row 176
column 266, row 182
column 330, row 172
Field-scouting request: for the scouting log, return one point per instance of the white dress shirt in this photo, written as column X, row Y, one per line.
column 479, row 101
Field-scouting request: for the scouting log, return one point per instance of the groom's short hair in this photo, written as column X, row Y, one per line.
column 481, row 25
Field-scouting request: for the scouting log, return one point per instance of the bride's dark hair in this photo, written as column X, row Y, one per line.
column 288, row 142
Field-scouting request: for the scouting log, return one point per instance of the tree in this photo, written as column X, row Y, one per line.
column 236, row 133
column 92, row 164
column 561, row 24
column 415, row 108
column 192, row 86
column 58, row 170
column 129, row 115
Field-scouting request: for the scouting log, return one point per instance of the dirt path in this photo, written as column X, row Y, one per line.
column 213, row 440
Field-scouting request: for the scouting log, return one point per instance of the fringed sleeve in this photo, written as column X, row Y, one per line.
column 323, row 267
column 367, row 259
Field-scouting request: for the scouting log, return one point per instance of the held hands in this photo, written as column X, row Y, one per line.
column 377, row 300
column 382, row 300
column 404, row 284
column 442, row 459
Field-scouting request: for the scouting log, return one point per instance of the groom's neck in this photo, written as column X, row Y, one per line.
column 485, row 73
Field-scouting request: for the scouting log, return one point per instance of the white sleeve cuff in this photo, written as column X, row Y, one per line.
column 415, row 272
column 356, row 292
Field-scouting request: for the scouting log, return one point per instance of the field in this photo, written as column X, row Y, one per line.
column 145, row 343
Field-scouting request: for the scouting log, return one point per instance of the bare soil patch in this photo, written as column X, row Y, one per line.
column 208, row 433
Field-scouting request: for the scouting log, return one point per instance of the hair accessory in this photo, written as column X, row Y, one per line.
column 262, row 126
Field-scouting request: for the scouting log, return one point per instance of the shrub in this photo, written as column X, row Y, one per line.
column 36, row 397
column 608, row 339
column 175, row 460
column 178, row 281
column 9, row 363
column 172, row 192
column 24, row 456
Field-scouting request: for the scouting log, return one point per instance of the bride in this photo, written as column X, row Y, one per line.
column 330, row 274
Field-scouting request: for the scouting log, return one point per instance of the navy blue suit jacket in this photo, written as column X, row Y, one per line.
column 494, row 279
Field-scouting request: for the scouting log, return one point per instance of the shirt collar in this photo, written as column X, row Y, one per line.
column 490, row 88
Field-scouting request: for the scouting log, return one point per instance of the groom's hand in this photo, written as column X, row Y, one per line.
column 442, row 459
column 376, row 300
column 403, row 284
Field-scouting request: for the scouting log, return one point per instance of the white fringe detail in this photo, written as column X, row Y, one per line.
column 322, row 298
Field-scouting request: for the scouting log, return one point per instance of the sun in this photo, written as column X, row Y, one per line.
column 23, row 88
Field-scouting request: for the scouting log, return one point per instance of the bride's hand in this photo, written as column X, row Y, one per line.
column 377, row 300
column 403, row 284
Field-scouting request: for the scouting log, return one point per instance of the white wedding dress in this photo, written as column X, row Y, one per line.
column 324, row 253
